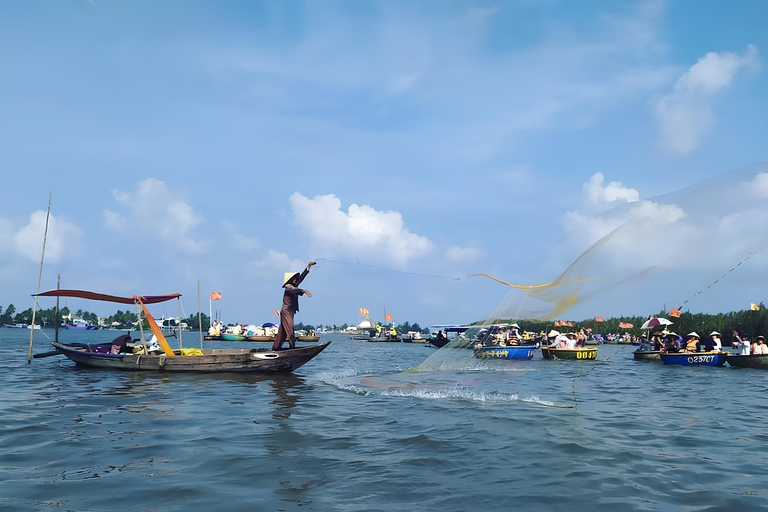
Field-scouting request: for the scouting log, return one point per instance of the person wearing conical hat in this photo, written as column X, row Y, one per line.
column 692, row 342
column 291, row 282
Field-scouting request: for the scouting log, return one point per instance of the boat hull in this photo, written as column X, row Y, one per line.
column 511, row 352
column 261, row 338
column 232, row 337
column 647, row 355
column 80, row 327
column 570, row 354
column 311, row 339
column 695, row 358
column 751, row 361
column 256, row 360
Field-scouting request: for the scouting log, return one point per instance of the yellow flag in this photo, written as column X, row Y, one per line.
column 754, row 307
column 363, row 311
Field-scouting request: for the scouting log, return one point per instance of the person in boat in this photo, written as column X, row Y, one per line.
column 656, row 340
column 692, row 342
column 671, row 343
column 571, row 341
column 645, row 345
column 741, row 343
column 760, row 346
column 581, row 338
column 440, row 336
column 291, row 282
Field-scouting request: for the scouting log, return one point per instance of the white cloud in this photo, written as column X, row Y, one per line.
column 273, row 266
column 159, row 212
column 685, row 114
column 596, row 193
column 361, row 228
column 759, row 185
column 62, row 240
column 463, row 254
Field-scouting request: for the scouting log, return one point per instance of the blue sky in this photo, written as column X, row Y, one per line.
column 233, row 141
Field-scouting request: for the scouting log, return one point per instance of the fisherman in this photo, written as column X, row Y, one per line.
column 692, row 342
column 291, row 282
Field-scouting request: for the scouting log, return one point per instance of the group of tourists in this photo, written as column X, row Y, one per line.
column 569, row 340
column 670, row 342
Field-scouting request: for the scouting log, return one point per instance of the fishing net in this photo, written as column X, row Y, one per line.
column 637, row 257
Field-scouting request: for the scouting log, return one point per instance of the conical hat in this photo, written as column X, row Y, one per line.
column 288, row 276
column 692, row 335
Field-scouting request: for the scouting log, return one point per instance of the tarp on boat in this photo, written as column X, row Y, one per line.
column 82, row 294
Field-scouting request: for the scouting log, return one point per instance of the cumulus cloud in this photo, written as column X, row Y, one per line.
column 685, row 115
column 63, row 237
column 360, row 228
column 595, row 192
column 160, row 212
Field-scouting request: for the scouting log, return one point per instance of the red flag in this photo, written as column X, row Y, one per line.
column 215, row 295
column 675, row 313
column 557, row 323
column 388, row 318
column 599, row 319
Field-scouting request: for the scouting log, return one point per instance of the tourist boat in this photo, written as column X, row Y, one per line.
column 647, row 355
column 80, row 325
column 257, row 360
column 570, row 354
column 260, row 338
column 233, row 337
column 712, row 358
column 506, row 352
column 748, row 361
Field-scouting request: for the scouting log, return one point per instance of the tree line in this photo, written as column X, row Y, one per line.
column 747, row 322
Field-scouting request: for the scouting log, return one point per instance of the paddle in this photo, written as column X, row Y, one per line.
column 47, row 354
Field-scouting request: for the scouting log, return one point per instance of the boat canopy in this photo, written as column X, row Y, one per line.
column 82, row 294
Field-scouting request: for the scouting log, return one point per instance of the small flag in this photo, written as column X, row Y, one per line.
column 557, row 323
column 675, row 313
column 599, row 319
column 388, row 318
column 215, row 295
column 277, row 313
column 363, row 311
column 754, row 307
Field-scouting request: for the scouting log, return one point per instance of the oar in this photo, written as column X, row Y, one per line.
column 47, row 354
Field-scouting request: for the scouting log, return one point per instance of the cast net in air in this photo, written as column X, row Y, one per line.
column 668, row 251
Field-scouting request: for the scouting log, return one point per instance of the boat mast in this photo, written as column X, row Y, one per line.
column 56, row 316
column 39, row 276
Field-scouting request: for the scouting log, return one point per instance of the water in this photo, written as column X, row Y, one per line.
column 350, row 432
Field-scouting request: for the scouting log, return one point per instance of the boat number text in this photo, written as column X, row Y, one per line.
column 701, row 359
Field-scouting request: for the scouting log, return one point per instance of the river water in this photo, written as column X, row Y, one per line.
column 351, row 431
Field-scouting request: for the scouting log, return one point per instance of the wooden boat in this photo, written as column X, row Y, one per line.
column 255, row 360
column 258, row 360
column 260, row 338
column 647, row 355
column 750, row 361
column 570, row 354
column 713, row 358
column 308, row 337
column 232, row 337
column 506, row 352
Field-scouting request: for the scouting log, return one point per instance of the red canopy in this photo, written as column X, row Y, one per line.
column 82, row 294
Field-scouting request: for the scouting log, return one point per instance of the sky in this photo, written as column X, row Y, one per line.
column 402, row 145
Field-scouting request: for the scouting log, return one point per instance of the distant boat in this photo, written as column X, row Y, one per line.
column 34, row 327
column 15, row 326
column 80, row 325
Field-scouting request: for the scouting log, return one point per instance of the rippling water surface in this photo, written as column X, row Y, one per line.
column 352, row 431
